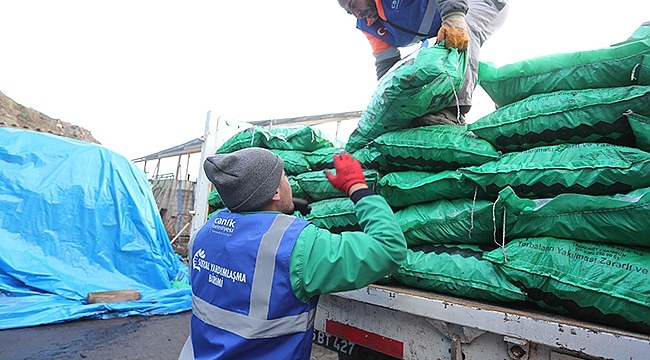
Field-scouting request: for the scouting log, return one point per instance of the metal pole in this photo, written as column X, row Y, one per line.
column 177, row 176
column 200, row 213
column 179, row 233
column 187, row 168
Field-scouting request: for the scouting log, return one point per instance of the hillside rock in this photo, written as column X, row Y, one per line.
column 17, row 116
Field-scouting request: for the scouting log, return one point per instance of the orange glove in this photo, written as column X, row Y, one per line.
column 454, row 31
column 348, row 172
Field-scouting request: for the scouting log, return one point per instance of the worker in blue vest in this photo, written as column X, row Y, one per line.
column 257, row 271
column 462, row 24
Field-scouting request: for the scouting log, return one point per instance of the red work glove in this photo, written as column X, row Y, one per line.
column 348, row 172
column 454, row 31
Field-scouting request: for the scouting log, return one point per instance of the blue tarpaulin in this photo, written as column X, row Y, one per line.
column 77, row 218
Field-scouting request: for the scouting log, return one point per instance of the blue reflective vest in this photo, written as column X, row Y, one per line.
column 243, row 305
column 406, row 22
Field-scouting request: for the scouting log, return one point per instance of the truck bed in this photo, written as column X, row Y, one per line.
column 414, row 324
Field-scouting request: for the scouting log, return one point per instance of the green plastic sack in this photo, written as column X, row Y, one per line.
column 295, row 161
column 641, row 128
column 296, row 189
column 336, row 215
column 370, row 158
column 315, row 184
column 433, row 148
column 601, row 68
column 621, row 219
column 403, row 188
column 597, row 282
column 548, row 171
column 322, row 159
column 641, row 33
column 423, row 83
column 564, row 117
column 456, row 270
column 457, row 221
column 304, row 138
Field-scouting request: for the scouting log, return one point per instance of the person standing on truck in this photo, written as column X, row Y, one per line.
column 462, row 24
column 257, row 271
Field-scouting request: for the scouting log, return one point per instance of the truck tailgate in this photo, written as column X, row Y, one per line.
column 413, row 324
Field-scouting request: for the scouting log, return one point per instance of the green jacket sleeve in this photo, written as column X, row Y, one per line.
column 323, row 262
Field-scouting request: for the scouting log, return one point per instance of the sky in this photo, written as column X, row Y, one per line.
column 141, row 75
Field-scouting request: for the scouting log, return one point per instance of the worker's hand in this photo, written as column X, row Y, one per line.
column 348, row 173
column 302, row 206
column 454, row 31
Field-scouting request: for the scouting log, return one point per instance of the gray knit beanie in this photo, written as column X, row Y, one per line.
column 246, row 179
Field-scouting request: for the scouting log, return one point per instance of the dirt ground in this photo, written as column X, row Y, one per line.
column 132, row 337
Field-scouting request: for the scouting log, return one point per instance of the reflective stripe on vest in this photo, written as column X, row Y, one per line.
column 427, row 21
column 255, row 325
column 248, row 327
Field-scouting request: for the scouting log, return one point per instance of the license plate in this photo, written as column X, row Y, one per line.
column 333, row 343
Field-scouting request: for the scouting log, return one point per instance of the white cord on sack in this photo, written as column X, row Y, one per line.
column 503, row 239
column 453, row 88
column 494, row 222
column 471, row 226
column 502, row 245
column 632, row 77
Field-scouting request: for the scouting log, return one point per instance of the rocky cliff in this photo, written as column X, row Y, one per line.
column 17, row 116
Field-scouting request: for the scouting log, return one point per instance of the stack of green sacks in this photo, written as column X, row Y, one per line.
column 448, row 223
column 302, row 148
column 571, row 188
column 307, row 153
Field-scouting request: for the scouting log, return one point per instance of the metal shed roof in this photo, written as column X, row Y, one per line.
column 194, row 146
